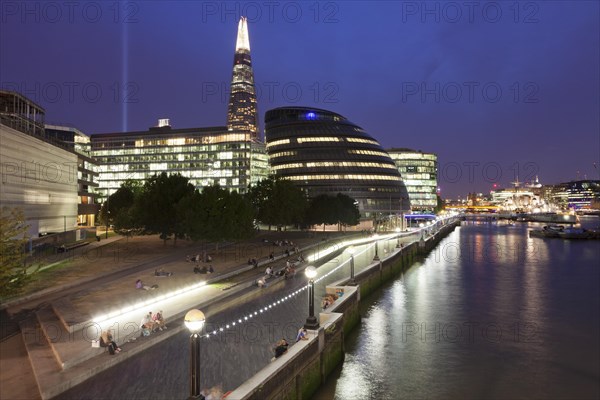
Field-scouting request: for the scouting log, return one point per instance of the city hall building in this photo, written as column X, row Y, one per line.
column 324, row 153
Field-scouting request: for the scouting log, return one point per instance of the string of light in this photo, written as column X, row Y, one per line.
column 269, row 307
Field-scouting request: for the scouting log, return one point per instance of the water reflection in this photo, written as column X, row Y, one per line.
column 490, row 314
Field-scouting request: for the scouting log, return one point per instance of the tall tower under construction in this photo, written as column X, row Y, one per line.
column 242, row 113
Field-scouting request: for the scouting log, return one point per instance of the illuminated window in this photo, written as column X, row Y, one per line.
column 368, row 152
column 278, row 142
column 362, row 140
column 319, row 139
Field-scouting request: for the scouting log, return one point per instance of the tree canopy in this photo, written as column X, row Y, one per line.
column 340, row 209
column 119, row 209
column 157, row 204
column 278, row 202
column 217, row 214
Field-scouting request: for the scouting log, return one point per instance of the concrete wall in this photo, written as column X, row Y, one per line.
column 39, row 178
column 307, row 364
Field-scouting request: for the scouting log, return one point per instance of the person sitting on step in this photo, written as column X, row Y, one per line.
column 159, row 321
column 106, row 340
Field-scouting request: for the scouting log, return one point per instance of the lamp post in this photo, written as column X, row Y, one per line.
column 376, row 258
column 398, row 238
column 311, row 322
column 107, row 212
column 352, row 280
column 194, row 321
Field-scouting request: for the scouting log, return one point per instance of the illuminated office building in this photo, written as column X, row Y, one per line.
column 206, row 156
column 324, row 153
column 581, row 195
column 78, row 142
column 419, row 171
column 242, row 112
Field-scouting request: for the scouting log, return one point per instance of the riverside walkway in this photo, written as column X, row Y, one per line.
column 58, row 334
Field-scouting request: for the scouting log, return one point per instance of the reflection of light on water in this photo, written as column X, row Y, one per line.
column 355, row 382
column 377, row 326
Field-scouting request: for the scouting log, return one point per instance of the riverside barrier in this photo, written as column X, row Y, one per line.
column 307, row 364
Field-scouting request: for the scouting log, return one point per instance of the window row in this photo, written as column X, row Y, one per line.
column 334, row 164
column 360, row 177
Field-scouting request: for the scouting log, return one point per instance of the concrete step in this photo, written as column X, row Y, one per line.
column 42, row 358
column 72, row 319
column 69, row 348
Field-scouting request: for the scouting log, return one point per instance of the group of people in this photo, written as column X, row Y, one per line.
column 205, row 258
column 281, row 347
column 328, row 300
column 288, row 272
column 285, row 242
column 204, row 270
column 152, row 322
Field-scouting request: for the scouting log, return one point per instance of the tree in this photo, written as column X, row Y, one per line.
column 119, row 208
column 328, row 210
column 321, row 210
column 440, row 204
column 216, row 214
column 157, row 205
column 278, row 202
column 347, row 210
column 13, row 241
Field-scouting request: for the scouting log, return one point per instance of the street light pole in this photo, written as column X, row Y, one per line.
column 311, row 322
column 376, row 258
column 352, row 280
column 107, row 212
column 194, row 321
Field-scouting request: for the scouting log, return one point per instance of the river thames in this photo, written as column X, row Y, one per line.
column 491, row 313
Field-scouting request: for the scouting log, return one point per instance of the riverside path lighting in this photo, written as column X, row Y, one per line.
column 352, row 280
column 194, row 321
column 311, row 322
column 376, row 258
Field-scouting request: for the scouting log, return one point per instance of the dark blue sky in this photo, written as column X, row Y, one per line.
column 496, row 89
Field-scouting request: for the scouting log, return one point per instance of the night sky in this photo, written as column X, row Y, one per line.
column 496, row 89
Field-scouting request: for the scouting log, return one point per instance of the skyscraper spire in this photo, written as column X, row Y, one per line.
column 243, row 42
column 242, row 112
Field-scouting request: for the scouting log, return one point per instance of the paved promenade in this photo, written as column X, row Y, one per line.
column 95, row 290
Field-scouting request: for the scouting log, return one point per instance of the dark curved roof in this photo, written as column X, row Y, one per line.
column 324, row 153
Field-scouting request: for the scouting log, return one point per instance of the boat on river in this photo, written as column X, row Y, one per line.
column 559, row 231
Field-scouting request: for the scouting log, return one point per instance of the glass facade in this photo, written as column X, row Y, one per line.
column 324, row 153
column 419, row 171
column 204, row 155
column 76, row 141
